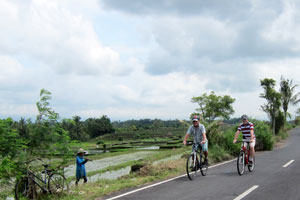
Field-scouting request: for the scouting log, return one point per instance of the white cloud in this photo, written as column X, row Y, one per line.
column 58, row 38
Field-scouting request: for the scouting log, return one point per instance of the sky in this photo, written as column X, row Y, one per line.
column 144, row 59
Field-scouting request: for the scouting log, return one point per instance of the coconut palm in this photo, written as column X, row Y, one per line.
column 287, row 90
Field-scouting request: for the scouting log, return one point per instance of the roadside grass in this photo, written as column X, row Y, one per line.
column 148, row 173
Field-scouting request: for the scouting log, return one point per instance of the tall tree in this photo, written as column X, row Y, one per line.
column 213, row 106
column 99, row 126
column 272, row 107
column 288, row 96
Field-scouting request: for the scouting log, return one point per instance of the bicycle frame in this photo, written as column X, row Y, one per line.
column 247, row 152
column 32, row 176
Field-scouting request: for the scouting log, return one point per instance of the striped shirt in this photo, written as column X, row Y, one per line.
column 245, row 129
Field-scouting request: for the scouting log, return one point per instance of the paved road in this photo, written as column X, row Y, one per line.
column 270, row 180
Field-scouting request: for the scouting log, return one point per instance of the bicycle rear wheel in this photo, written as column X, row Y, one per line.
column 251, row 166
column 191, row 166
column 23, row 189
column 241, row 163
column 57, row 184
column 203, row 166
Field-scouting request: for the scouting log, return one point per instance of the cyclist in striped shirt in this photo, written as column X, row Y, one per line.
column 247, row 129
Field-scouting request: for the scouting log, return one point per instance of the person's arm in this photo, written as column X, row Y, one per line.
column 81, row 161
column 203, row 134
column 203, row 138
column 185, row 138
column 251, row 135
column 236, row 136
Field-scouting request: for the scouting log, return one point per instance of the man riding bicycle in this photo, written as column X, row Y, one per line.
column 199, row 133
column 247, row 129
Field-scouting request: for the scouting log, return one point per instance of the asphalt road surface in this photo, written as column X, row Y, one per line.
column 276, row 176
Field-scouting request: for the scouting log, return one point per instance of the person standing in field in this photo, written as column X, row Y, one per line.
column 80, row 166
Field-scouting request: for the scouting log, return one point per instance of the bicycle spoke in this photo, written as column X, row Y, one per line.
column 252, row 165
column 203, row 166
column 241, row 163
column 57, row 184
column 191, row 168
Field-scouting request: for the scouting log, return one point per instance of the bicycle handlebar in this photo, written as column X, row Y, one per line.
column 244, row 140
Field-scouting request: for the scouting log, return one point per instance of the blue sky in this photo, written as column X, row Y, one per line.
column 143, row 59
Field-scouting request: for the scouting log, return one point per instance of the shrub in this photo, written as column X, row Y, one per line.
column 263, row 133
column 218, row 153
column 100, row 142
column 297, row 121
column 233, row 149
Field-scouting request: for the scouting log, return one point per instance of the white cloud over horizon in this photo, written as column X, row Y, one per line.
column 135, row 60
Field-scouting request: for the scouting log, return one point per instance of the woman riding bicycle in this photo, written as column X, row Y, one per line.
column 199, row 133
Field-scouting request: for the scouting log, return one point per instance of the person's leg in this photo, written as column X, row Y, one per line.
column 205, row 152
column 84, row 179
column 252, row 150
column 77, row 180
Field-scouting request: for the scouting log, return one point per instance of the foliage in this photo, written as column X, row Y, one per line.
column 297, row 121
column 10, row 144
column 287, row 95
column 273, row 98
column 264, row 139
column 76, row 128
column 10, row 147
column 146, row 124
column 279, row 122
column 228, row 136
column 46, row 136
column 213, row 106
column 98, row 126
column 218, row 154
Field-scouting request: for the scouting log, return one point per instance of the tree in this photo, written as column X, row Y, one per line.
column 288, row 96
column 99, row 126
column 213, row 106
column 272, row 107
column 10, row 147
column 75, row 127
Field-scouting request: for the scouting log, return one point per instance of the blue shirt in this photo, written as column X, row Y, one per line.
column 80, row 168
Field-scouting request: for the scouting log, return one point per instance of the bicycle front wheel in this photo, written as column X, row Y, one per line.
column 251, row 166
column 241, row 163
column 23, row 189
column 57, row 184
column 203, row 166
column 191, row 166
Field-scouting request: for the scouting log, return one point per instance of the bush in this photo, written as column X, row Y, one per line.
column 263, row 133
column 218, row 153
column 297, row 121
column 100, row 142
column 233, row 149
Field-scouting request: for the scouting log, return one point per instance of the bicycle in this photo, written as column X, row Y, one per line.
column 243, row 158
column 195, row 162
column 32, row 184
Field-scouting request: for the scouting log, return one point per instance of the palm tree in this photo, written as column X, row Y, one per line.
column 288, row 97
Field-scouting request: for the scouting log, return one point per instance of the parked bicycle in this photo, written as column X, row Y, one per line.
column 47, row 181
column 195, row 162
column 243, row 158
